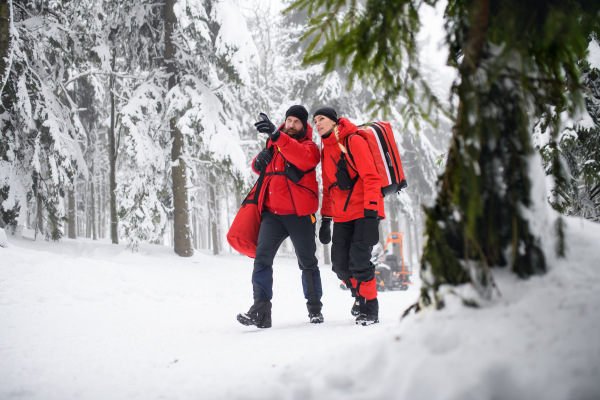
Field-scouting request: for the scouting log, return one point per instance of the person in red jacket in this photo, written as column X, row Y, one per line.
column 288, row 200
column 352, row 198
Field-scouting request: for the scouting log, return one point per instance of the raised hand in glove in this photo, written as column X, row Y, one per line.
column 266, row 126
column 263, row 159
column 325, row 231
column 371, row 228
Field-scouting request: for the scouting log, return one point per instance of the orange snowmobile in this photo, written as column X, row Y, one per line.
column 389, row 273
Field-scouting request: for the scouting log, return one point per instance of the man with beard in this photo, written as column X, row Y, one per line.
column 288, row 200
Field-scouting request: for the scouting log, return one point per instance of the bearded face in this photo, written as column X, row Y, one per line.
column 294, row 133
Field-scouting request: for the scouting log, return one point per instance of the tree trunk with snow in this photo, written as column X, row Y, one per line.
column 93, row 199
column 40, row 215
column 214, row 213
column 181, row 212
column 4, row 39
column 112, row 157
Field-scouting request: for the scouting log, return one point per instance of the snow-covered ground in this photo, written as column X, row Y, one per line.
column 89, row 320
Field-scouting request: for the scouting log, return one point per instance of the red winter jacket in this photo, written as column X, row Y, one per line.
column 282, row 196
column 367, row 189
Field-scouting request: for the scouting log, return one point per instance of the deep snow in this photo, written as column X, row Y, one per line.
column 90, row 320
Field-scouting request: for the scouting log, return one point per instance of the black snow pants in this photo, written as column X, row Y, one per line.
column 274, row 229
column 350, row 255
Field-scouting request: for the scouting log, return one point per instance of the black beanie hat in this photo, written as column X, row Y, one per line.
column 298, row 112
column 327, row 112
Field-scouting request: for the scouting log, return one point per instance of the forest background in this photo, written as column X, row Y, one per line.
column 133, row 120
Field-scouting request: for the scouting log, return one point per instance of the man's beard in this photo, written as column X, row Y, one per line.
column 293, row 133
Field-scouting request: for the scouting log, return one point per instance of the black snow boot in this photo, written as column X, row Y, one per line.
column 355, row 311
column 259, row 315
column 316, row 318
column 369, row 312
column 314, row 313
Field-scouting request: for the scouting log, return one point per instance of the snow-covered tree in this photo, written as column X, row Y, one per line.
column 41, row 132
column 572, row 158
column 214, row 57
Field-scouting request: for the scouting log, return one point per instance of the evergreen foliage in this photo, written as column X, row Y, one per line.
column 517, row 63
column 576, row 150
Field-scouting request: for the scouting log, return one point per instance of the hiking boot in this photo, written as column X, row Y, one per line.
column 355, row 311
column 259, row 315
column 369, row 311
column 316, row 318
column 364, row 319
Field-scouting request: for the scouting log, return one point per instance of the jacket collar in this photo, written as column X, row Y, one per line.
column 345, row 128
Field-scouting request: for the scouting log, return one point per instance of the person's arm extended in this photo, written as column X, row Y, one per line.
column 303, row 155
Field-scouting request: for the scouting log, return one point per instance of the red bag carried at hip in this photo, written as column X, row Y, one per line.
column 243, row 233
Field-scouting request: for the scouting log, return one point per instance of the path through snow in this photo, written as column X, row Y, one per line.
column 89, row 320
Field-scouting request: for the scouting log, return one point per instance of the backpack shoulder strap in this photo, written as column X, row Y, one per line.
column 347, row 145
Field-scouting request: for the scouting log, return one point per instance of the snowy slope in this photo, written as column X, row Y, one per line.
column 539, row 340
column 88, row 320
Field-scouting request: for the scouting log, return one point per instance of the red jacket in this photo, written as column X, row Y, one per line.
column 367, row 189
column 282, row 196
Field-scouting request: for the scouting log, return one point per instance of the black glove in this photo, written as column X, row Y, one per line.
column 325, row 231
column 262, row 159
column 266, row 126
column 371, row 228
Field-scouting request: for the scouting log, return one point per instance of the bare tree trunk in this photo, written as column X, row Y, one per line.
column 103, row 209
column 66, row 207
column 183, row 244
column 87, row 211
column 72, row 214
column 112, row 157
column 80, row 216
column 200, row 232
column 214, row 213
column 93, row 195
column 395, row 224
column 204, row 234
column 228, row 219
column 208, row 230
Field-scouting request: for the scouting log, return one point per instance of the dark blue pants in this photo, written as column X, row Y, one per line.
column 274, row 229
